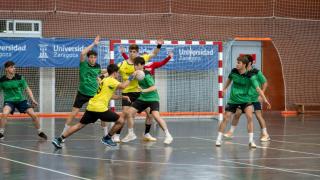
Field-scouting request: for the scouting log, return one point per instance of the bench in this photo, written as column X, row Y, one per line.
column 301, row 106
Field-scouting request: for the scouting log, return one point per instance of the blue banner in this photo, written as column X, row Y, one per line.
column 42, row 52
column 186, row 57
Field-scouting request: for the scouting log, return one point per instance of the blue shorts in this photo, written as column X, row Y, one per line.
column 256, row 106
column 233, row 107
column 22, row 106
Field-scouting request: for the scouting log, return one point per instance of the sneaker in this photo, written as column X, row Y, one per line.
column 218, row 143
column 43, row 135
column 108, row 142
column 228, row 135
column 116, row 138
column 265, row 138
column 252, row 145
column 57, row 142
column 1, row 136
column 129, row 137
column 148, row 137
column 168, row 139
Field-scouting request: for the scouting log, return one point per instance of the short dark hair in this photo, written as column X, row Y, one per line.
column 134, row 47
column 92, row 52
column 243, row 59
column 250, row 58
column 8, row 64
column 112, row 68
column 139, row 60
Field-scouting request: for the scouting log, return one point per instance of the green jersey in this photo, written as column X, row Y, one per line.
column 88, row 78
column 147, row 82
column 239, row 88
column 257, row 79
column 13, row 89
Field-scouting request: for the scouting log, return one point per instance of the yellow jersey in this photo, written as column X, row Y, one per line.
column 126, row 69
column 100, row 102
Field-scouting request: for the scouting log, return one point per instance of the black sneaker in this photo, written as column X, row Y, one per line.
column 1, row 136
column 57, row 143
column 43, row 135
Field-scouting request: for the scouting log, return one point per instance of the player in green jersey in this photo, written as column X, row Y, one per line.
column 14, row 86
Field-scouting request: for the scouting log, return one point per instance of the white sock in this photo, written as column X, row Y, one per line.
column 264, row 131
column 130, row 131
column 250, row 137
column 2, row 130
column 66, row 127
column 232, row 128
column 105, row 130
column 220, row 135
column 39, row 130
column 166, row 132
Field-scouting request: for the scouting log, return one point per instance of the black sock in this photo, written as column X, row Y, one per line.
column 119, row 131
column 108, row 136
column 147, row 130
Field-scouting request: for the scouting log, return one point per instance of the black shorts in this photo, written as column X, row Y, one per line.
column 133, row 97
column 92, row 117
column 142, row 105
column 22, row 106
column 233, row 107
column 80, row 100
column 256, row 106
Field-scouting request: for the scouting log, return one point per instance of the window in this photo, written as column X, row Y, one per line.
column 20, row 28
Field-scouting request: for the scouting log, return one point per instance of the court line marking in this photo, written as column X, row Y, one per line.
column 292, row 151
column 271, row 168
column 291, row 142
column 266, row 167
column 283, row 158
column 43, row 168
column 126, row 161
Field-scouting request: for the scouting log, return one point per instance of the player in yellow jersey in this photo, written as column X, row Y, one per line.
column 132, row 91
column 98, row 108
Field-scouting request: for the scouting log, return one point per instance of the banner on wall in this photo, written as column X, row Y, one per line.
column 65, row 53
column 185, row 57
column 42, row 52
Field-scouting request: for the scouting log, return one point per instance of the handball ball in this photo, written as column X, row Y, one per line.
column 140, row 75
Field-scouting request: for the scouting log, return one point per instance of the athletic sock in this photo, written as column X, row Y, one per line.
column 147, row 130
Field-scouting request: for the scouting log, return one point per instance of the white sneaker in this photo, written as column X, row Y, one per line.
column 129, row 137
column 228, row 135
column 252, row 145
column 218, row 143
column 148, row 137
column 116, row 138
column 265, row 138
column 168, row 139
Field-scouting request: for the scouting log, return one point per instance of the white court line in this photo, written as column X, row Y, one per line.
column 124, row 161
column 43, row 168
column 292, row 151
column 290, row 142
column 271, row 168
column 283, row 158
column 266, row 167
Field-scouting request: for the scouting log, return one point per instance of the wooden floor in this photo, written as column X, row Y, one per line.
column 293, row 153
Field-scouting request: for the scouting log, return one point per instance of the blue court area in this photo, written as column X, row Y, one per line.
column 293, row 152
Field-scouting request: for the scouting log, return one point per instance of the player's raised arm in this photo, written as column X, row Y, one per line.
column 157, row 49
column 87, row 49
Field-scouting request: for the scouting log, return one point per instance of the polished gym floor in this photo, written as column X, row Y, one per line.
column 293, row 152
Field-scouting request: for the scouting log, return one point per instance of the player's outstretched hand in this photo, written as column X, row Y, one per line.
column 160, row 41
column 96, row 40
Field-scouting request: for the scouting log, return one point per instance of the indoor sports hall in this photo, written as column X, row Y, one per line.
column 50, row 51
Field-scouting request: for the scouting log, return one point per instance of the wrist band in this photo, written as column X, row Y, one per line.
column 131, row 77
